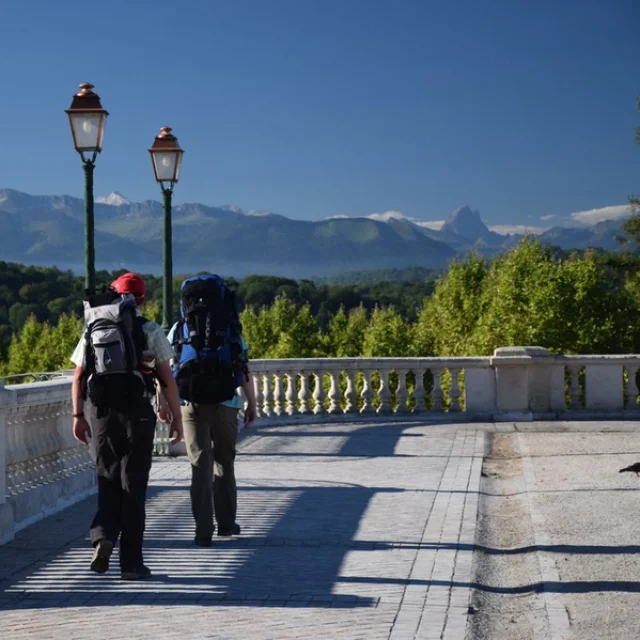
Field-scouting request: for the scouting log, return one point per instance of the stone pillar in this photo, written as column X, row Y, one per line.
column 528, row 381
column 8, row 401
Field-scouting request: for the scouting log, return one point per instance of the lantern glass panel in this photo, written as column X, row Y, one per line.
column 166, row 165
column 88, row 130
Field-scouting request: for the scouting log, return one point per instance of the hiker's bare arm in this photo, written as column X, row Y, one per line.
column 170, row 393
column 251, row 412
column 164, row 413
column 81, row 429
column 77, row 400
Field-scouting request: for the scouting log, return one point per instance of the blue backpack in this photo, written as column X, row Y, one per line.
column 209, row 357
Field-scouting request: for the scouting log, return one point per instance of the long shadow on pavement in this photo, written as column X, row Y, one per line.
column 298, row 539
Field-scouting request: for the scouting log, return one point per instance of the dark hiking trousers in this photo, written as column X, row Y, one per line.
column 123, row 446
column 211, row 434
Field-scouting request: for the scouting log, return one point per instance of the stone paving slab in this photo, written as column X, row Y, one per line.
column 348, row 531
column 586, row 514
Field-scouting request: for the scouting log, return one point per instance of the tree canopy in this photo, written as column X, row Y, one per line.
column 581, row 302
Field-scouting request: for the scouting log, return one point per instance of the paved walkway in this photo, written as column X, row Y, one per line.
column 348, row 531
column 393, row 531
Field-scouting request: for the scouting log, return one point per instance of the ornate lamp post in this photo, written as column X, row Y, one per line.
column 87, row 119
column 166, row 157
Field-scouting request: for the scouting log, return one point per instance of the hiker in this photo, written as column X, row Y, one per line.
column 210, row 363
column 119, row 361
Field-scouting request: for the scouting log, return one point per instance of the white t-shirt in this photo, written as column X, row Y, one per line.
column 156, row 342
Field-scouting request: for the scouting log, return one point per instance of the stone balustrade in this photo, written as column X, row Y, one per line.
column 42, row 467
column 348, row 387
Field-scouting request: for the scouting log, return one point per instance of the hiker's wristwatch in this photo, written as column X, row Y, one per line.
column 78, row 415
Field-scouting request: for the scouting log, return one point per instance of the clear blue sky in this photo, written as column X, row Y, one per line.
column 312, row 108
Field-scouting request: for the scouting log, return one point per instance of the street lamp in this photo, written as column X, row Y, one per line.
column 166, row 157
column 87, row 119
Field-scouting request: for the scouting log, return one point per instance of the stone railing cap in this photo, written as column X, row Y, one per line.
column 519, row 355
column 532, row 352
column 8, row 398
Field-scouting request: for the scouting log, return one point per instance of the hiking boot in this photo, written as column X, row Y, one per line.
column 202, row 542
column 139, row 573
column 101, row 554
column 226, row 532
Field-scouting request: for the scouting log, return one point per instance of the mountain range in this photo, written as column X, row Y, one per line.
column 49, row 230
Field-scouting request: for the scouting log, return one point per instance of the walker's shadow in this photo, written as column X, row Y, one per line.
column 294, row 543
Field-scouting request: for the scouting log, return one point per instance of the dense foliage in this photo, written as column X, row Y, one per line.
column 48, row 294
column 579, row 303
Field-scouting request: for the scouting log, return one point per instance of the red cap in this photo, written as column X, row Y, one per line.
column 130, row 283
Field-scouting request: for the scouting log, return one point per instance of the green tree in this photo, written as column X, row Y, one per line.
column 263, row 331
column 27, row 352
column 571, row 305
column 335, row 336
column 601, row 315
column 387, row 335
column 300, row 338
column 152, row 310
column 521, row 302
column 252, row 331
column 448, row 319
column 64, row 337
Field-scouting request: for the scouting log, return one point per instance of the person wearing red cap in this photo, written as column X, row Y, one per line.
column 122, row 427
column 131, row 283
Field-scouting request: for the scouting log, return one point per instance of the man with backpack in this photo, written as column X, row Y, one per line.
column 119, row 360
column 210, row 364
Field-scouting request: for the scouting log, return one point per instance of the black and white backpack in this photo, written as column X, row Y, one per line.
column 114, row 345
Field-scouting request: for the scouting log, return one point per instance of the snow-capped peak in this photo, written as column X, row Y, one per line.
column 389, row 215
column 115, row 199
column 233, row 208
column 258, row 213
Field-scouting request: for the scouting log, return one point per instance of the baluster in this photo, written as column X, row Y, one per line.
column 278, row 394
column 318, row 394
column 402, row 393
column 632, row 387
column 266, row 394
column 162, row 434
column 11, row 487
column 574, row 389
column 419, row 392
column 436, row 394
column 349, row 394
column 366, row 395
column 303, row 395
column 454, row 392
column 291, row 393
column 334, row 392
column 258, row 391
column 384, row 394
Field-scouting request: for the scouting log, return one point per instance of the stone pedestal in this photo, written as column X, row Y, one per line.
column 528, row 381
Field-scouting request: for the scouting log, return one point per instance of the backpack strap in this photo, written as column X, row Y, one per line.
column 140, row 344
column 89, row 363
